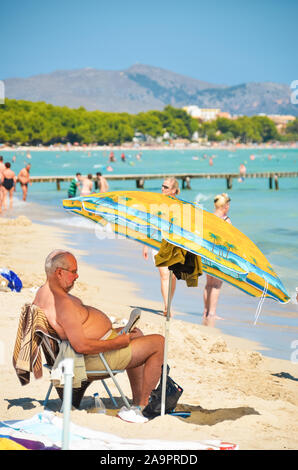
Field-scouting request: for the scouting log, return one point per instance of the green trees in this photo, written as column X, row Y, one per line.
column 243, row 129
column 25, row 122
column 292, row 130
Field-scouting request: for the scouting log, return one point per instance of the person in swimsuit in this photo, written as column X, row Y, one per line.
column 86, row 185
column 170, row 187
column 24, row 179
column 213, row 285
column 2, row 168
column 89, row 330
column 8, row 184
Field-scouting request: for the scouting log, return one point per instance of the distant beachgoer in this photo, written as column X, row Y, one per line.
column 170, row 187
column 112, row 157
column 8, row 184
column 101, row 183
column 87, row 184
column 211, row 161
column 2, row 168
column 123, row 157
column 242, row 172
column 74, row 185
column 24, row 180
column 252, row 157
column 213, row 285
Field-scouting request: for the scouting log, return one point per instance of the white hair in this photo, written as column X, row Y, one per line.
column 56, row 259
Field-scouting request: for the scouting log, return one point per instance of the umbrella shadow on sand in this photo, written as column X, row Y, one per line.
column 201, row 416
column 198, row 415
column 150, row 310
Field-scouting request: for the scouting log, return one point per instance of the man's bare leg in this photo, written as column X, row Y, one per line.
column 136, row 376
column 147, row 351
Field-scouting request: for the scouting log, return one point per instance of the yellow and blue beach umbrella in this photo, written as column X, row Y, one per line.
column 147, row 217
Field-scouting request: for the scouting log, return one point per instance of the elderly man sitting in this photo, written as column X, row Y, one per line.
column 89, row 331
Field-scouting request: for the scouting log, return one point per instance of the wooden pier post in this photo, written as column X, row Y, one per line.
column 229, row 182
column 270, row 182
column 58, row 184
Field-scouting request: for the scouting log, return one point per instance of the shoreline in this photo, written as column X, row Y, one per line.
column 234, row 393
column 142, row 147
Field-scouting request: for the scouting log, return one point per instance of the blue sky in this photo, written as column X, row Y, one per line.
column 227, row 42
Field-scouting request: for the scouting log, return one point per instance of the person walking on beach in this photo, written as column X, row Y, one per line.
column 213, row 285
column 2, row 168
column 170, row 187
column 90, row 332
column 24, row 180
column 101, row 183
column 75, row 184
column 8, row 184
column 86, row 185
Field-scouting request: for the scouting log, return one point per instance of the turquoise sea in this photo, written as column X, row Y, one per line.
column 268, row 217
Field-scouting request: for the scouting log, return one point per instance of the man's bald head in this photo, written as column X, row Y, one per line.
column 57, row 259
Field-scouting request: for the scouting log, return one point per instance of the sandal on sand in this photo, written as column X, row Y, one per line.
column 132, row 415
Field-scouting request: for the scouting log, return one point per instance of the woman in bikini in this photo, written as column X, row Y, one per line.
column 213, row 285
column 8, row 184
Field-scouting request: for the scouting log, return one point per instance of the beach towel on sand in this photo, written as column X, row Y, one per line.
column 47, row 427
column 34, row 332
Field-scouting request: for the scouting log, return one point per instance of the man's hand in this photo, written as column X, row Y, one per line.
column 134, row 333
column 121, row 341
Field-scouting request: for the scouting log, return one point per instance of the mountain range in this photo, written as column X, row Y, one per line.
column 143, row 88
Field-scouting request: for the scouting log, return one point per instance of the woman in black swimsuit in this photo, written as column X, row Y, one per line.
column 8, row 183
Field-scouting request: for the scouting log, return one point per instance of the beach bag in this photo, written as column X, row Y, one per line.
column 9, row 279
column 173, row 393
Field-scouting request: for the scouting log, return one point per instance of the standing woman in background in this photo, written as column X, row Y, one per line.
column 213, row 285
column 170, row 187
column 9, row 180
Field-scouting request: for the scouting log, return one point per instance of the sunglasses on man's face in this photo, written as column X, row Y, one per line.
column 164, row 186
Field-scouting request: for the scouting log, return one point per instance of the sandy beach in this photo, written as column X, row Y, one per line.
column 234, row 393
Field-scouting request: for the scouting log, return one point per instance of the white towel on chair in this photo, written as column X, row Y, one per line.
column 66, row 351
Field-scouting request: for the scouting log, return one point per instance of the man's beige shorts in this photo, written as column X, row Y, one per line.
column 117, row 359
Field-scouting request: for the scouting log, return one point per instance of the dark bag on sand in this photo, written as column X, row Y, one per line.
column 173, row 393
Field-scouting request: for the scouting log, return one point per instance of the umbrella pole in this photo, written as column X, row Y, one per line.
column 165, row 357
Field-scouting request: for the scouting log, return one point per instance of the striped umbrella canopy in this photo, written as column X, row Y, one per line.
column 147, row 217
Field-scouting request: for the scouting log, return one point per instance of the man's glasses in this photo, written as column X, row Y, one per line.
column 165, row 186
column 74, row 271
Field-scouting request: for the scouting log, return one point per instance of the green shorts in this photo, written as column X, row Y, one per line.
column 117, row 359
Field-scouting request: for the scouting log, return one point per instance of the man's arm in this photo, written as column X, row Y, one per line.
column 70, row 320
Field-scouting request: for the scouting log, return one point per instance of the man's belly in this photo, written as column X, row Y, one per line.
column 97, row 324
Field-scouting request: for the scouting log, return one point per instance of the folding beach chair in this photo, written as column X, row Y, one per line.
column 78, row 393
column 35, row 334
